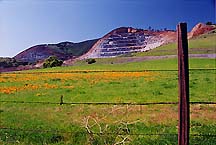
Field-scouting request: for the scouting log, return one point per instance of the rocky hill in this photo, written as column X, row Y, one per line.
column 127, row 40
column 63, row 50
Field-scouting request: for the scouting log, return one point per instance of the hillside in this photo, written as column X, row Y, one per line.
column 119, row 41
column 63, row 50
column 203, row 44
column 126, row 40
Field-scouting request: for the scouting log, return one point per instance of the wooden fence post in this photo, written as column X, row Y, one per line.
column 61, row 100
column 183, row 79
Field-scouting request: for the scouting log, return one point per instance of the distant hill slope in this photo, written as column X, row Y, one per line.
column 63, row 50
column 126, row 40
column 119, row 41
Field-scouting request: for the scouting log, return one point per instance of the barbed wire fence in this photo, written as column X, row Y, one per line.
column 123, row 133
column 124, row 136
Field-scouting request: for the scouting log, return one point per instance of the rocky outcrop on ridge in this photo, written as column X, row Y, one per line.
column 200, row 29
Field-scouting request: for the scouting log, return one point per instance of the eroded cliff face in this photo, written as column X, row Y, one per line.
column 127, row 40
column 200, row 29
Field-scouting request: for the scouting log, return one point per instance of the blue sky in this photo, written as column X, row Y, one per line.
column 24, row 23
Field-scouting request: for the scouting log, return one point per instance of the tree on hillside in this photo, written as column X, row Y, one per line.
column 52, row 61
column 6, row 62
column 208, row 23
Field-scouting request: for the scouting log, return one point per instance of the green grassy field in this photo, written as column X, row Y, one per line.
column 132, row 82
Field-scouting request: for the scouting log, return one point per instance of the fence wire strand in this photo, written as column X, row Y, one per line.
column 104, row 103
column 107, row 133
column 101, row 71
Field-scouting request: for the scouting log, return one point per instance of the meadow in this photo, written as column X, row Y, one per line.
column 107, row 81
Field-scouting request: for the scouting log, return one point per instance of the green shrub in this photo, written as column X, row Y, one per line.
column 6, row 62
column 52, row 61
column 90, row 60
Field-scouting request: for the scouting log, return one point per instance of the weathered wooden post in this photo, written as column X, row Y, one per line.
column 61, row 100
column 183, row 79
